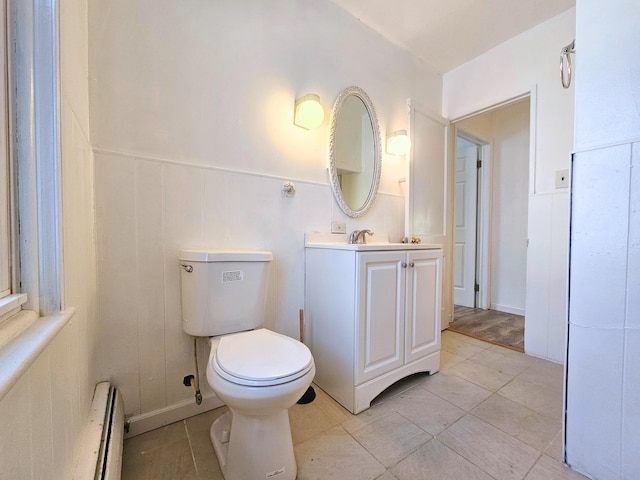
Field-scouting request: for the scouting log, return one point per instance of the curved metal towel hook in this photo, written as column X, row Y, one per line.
column 565, row 58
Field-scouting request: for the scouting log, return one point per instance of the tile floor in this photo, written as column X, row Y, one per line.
column 490, row 413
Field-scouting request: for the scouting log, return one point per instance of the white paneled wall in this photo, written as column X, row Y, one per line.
column 149, row 210
column 603, row 418
column 547, row 266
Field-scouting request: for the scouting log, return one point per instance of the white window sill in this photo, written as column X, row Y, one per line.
column 11, row 302
column 23, row 337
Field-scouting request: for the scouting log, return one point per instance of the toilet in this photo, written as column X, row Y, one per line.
column 258, row 373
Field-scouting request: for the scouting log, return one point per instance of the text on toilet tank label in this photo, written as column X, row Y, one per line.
column 232, row 276
column 276, row 473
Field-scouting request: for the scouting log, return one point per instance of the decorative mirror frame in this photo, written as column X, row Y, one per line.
column 333, row 171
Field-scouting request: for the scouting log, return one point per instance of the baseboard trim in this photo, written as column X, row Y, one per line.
column 507, row 309
column 147, row 421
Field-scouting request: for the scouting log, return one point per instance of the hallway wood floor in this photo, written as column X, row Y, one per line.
column 490, row 325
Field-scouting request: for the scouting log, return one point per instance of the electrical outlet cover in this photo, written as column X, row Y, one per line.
column 338, row 227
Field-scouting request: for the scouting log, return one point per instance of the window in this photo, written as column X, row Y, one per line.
column 33, row 102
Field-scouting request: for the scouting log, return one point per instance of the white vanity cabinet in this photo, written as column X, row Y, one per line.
column 373, row 317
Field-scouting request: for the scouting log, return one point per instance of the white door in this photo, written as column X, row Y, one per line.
column 429, row 197
column 465, row 220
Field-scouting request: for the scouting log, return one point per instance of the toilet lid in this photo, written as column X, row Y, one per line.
column 261, row 357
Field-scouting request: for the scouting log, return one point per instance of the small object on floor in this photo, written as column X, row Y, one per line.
column 308, row 396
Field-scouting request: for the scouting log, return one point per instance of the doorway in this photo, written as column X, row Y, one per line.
column 491, row 213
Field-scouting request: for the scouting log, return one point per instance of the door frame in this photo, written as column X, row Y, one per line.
column 531, row 93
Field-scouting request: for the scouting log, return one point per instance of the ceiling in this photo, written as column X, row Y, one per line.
column 447, row 33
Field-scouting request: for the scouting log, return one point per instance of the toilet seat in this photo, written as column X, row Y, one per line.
column 261, row 358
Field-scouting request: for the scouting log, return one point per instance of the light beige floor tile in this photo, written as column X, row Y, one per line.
column 171, row 460
column 456, row 390
column 502, row 361
column 549, row 469
column 387, row 476
column 390, row 438
column 203, row 421
column 435, row 460
column 538, row 397
column 519, row 421
column 484, row 377
column 498, row 454
column 426, row 410
column 334, row 454
column 356, row 422
column 448, row 360
column 330, row 406
column 554, row 450
column 157, row 438
column 467, row 339
column 207, row 465
column 401, row 386
column 453, row 344
column 545, row 373
column 308, row 420
column 507, row 351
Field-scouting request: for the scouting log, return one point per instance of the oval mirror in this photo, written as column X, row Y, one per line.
column 354, row 152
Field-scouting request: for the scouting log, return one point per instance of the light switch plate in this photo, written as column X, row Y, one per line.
column 562, row 178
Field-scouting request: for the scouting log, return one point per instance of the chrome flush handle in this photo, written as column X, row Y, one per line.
column 187, row 268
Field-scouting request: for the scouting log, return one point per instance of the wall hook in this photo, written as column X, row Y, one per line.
column 288, row 190
column 565, row 59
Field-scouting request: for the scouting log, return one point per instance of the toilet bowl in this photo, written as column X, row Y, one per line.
column 259, row 374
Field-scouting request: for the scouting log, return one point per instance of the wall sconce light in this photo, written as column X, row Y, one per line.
column 398, row 143
column 309, row 113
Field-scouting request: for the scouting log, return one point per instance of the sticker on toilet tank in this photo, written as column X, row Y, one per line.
column 275, row 473
column 232, row 276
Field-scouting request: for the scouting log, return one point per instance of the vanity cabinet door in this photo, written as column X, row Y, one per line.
column 380, row 314
column 423, row 304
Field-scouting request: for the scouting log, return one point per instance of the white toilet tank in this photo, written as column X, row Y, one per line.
column 223, row 291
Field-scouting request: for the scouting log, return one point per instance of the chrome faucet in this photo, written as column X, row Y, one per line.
column 358, row 236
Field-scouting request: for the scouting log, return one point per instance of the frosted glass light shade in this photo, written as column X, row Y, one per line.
column 398, row 143
column 309, row 113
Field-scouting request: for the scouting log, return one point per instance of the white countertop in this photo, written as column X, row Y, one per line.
column 339, row 242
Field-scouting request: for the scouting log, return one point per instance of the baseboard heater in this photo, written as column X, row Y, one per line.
column 101, row 457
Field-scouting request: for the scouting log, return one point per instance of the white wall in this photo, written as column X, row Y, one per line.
column 43, row 416
column 192, row 124
column 530, row 61
column 509, row 192
column 603, row 375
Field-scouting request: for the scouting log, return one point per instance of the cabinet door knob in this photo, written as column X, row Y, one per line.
column 412, row 264
column 404, row 265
